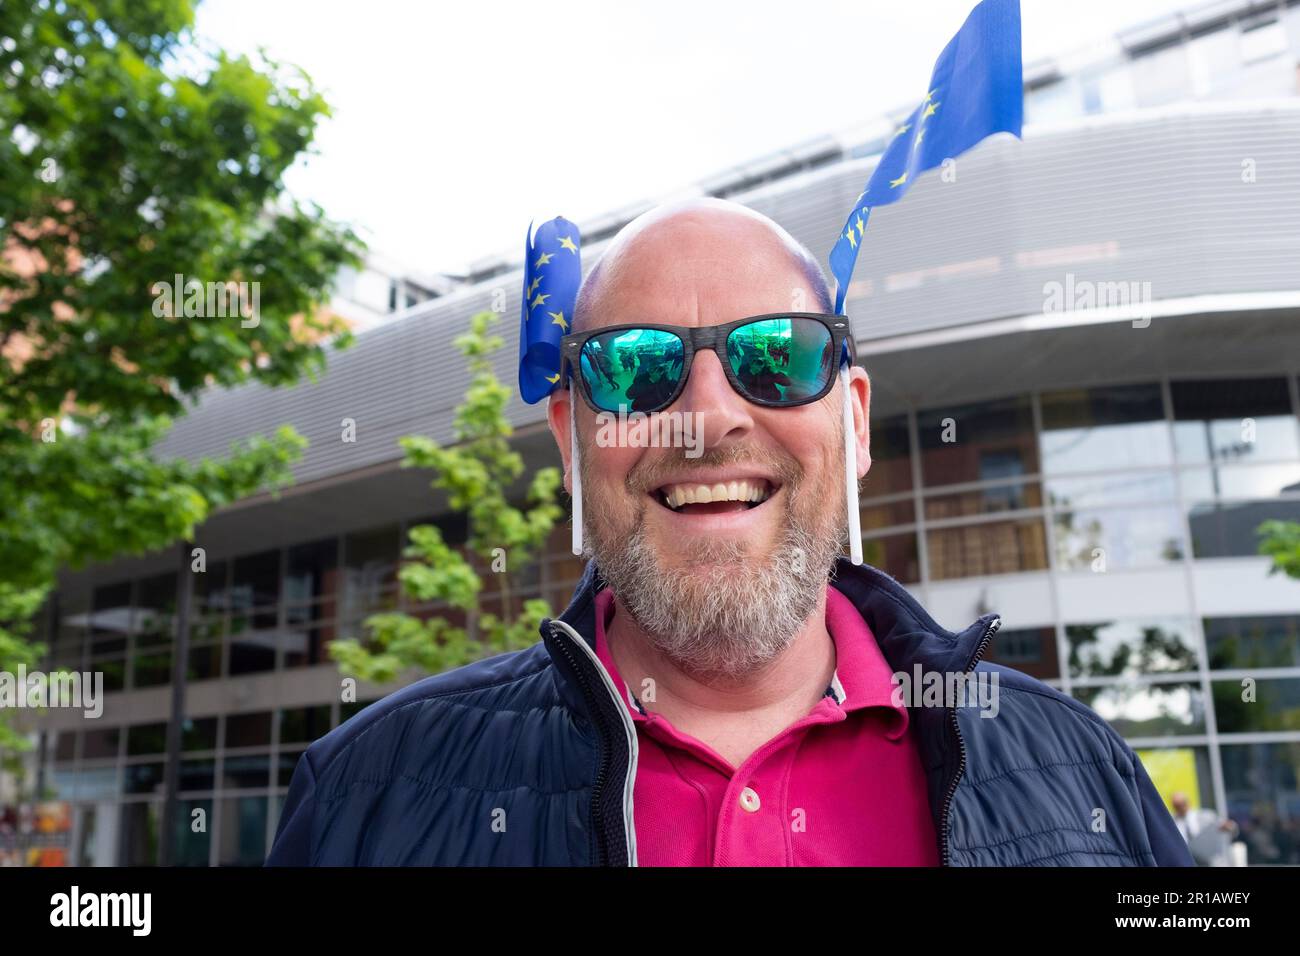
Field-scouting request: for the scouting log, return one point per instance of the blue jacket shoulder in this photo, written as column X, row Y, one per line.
column 477, row 678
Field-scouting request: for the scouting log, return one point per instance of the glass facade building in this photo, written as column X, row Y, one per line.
column 1054, row 485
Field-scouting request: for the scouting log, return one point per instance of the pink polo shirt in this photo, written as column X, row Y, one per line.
column 842, row 786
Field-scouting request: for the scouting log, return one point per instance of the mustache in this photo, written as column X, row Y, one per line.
column 651, row 473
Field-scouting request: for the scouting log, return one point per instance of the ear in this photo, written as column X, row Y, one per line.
column 559, row 406
column 860, row 400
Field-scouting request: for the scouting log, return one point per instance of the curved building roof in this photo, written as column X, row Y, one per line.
column 1202, row 202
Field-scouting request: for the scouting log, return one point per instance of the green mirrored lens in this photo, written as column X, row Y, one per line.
column 782, row 359
column 633, row 369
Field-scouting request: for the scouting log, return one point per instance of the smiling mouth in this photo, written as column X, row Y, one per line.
column 697, row 498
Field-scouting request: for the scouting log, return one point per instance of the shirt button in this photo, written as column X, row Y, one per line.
column 749, row 799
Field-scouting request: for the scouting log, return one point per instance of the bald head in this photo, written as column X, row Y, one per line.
column 692, row 258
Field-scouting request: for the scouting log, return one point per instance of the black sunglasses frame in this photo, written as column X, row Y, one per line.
column 714, row 337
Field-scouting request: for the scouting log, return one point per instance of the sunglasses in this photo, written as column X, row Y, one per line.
column 779, row 360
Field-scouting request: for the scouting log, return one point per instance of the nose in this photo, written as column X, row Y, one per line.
column 721, row 414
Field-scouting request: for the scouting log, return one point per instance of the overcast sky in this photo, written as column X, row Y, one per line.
column 454, row 124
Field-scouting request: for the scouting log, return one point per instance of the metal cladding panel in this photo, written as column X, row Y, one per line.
column 1156, row 198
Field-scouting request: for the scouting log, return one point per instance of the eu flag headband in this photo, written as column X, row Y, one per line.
column 976, row 89
column 552, row 275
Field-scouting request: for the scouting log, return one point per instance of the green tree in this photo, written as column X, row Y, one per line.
column 476, row 473
column 130, row 153
column 1280, row 540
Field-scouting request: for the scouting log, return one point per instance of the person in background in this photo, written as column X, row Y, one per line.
column 1209, row 836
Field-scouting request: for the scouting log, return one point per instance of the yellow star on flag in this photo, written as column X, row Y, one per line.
column 539, row 299
column 542, row 260
column 899, row 181
column 567, row 243
column 557, row 318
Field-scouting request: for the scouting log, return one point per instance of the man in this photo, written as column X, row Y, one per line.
column 719, row 690
column 1208, row 838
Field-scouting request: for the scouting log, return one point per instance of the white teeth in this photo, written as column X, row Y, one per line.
column 745, row 490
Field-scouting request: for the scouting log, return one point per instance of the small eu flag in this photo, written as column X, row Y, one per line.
column 976, row 89
column 552, row 274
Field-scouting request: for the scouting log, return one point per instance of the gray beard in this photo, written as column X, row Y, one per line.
column 723, row 615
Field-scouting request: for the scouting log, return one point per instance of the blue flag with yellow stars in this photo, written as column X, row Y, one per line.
column 552, row 274
column 976, row 89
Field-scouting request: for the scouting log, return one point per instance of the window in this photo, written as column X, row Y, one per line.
column 1148, row 709
column 1244, row 432
column 111, row 619
column 254, row 596
column 212, row 589
column 1232, row 421
column 100, row 744
column 1229, row 530
column 245, row 771
column 973, row 443
column 1029, row 650
column 990, row 499
column 1100, row 429
column 155, row 631
column 1112, row 489
column 145, row 739
column 990, row 547
column 205, row 662
column 1180, row 770
column 156, row 600
column 140, row 823
column 1249, row 706
column 369, row 575
column 891, row 459
column 310, row 585
column 65, row 747
column 311, row 578
column 145, row 778
column 1131, row 647
column 1252, row 642
column 895, row 554
column 255, row 586
column 1117, row 538
column 304, row 724
column 188, row 847
column 248, row 730
column 1264, row 799
column 243, row 831
column 887, row 515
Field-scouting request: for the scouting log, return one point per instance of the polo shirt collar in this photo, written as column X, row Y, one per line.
column 861, row 679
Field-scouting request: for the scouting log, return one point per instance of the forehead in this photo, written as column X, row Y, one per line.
column 699, row 271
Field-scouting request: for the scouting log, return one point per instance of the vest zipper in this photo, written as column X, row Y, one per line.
column 985, row 639
column 606, row 727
